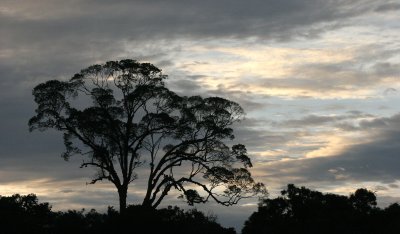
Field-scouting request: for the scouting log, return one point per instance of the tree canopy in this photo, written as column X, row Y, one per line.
column 301, row 210
column 120, row 116
column 23, row 214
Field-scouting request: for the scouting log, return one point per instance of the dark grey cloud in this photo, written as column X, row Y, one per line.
column 391, row 6
column 84, row 31
column 248, row 100
column 346, row 126
column 257, row 139
column 55, row 39
column 377, row 160
column 311, row 120
column 192, row 85
column 62, row 21
column 307, row 125
column 28, row 156
column 319, row 120
column 386, row 69
column 185, row 86
column 372, row 124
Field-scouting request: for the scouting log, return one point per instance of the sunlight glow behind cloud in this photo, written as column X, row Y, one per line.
column 319, row 81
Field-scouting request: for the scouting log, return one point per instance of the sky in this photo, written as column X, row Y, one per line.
column 318, row 79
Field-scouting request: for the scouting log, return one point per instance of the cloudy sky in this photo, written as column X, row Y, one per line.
column 318, row 79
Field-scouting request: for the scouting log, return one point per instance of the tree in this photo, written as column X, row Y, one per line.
column 169, row 220
column 363, row 200
column 120, row 116
column 23, row 214
column 301, row 210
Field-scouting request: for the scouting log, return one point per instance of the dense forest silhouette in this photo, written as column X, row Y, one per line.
column 25, row 214
column 301, row 210
column 297, row 210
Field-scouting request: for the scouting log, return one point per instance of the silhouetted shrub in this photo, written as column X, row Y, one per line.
column 301, row 210
column 24, row 214
column 170, row 220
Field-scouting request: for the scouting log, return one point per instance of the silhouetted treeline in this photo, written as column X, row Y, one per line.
column 24, row 214
column 297, row 210
column 301, row 210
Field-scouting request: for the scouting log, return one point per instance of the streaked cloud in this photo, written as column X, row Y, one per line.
column 319, row 81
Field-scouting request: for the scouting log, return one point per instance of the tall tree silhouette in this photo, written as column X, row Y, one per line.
column 120, row 116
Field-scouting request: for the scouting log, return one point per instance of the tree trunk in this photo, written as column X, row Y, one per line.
column 122, row 192
column 146, row 202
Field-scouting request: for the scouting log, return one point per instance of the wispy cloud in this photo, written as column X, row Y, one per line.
column 319, row 81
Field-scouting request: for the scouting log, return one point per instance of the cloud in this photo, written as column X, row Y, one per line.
column 141, row 19
column 295, row 66
column 375, row 160
column 391, row 6
column 318, row 120
column 332, row 72
column 55, row 39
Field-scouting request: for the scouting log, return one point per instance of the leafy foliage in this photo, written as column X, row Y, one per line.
column 120, row 116
column 301, row 210
column 24, row 214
